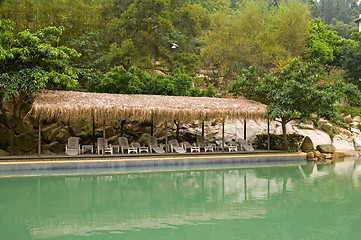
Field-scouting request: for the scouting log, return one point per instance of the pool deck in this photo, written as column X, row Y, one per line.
column 85, row 161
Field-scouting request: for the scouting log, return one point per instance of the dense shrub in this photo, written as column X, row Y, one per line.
column 294, row 141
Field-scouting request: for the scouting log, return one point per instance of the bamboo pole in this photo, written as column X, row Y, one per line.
column 152, row 125
column 245, row 130
column 39, row 137
column 203, row 129
column 223, row 135
column 93, row 131
column 166, row 135
column 103, row 137
column 268, row 136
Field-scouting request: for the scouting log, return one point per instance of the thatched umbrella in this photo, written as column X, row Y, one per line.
column 107, row 108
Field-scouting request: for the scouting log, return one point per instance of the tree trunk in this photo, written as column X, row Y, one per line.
column 284, row 134
column 13, row 120
column 177, row 131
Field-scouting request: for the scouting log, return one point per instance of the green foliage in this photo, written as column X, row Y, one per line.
column 351, row 60
column 346, row 109
column 256, row 35
column 321, row 43
column 293, row 140
column 293, row 92
column 29, row 61
column 136, row 81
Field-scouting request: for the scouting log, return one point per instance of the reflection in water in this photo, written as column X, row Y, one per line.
column 282, row 201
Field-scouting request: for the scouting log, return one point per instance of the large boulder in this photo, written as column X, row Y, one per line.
column 62, row 136
column 109, row 131
column 348, row 119
column 53, row 134
column 23, row 127
column 307, row 145
column 56, row 147
column 27, row 142
column 326, row 148
column 4, row 137
column 357, row 142
column 48, row 132
column 80, row 125
column 357, row 119
column 4, row 153
column 143, row 138
column 306, row 125
column 17, row 151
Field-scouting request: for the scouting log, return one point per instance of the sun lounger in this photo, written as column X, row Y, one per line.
column 124, row 144
column 153, row 145
column 101, row 145
column 138, row 147
column 203, row 145
column 245, row 145
column 174, row 146
column 73, row 146
column 192, row 148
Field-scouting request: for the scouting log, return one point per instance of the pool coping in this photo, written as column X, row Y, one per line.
column 147, row 161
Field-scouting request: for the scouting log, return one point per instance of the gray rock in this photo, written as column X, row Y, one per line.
column 307, row 145
column 4, row 153
column 348, row 119
column 80, row 125
column 47, row 131
column 327, row 127
column 143, row 139
column 56, row 147
column 326, row 148
column 357, row 119
column 357, row 142
column 23, row 127
column 62, row 136
column 306, row 125
column 4, row 137
column 109, row 131
column 27, row 142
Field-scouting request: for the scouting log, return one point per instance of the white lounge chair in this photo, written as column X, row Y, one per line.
column 140, row 149
column 73, row 146
column 101, row 145
column 153, row 145
column 202, row 144
column 123, row 143
column 192, row 148
column 174, row 146
column 245, row 145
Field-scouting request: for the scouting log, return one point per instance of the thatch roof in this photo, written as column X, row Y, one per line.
column 65, row 105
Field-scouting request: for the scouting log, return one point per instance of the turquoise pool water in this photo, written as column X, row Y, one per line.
column 299, row 201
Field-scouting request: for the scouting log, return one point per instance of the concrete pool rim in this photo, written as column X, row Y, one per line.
column 145, row 161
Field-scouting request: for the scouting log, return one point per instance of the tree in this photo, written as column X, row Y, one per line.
column 321, row 43
column 351, row 60
column 256, row 34
column 28, row 62
column 292, row 92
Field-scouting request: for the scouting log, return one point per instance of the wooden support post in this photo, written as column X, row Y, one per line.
column 245, row 130
column 268, row 136
column 39, row 138
column 103, row 137
column 203, row 129
column 166, row 135
column 152, row 126
column 93, row 137
column 223, row 135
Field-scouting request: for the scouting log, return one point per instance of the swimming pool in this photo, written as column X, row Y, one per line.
column 235, row 201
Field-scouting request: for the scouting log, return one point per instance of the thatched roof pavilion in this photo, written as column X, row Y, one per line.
column 65, row 105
